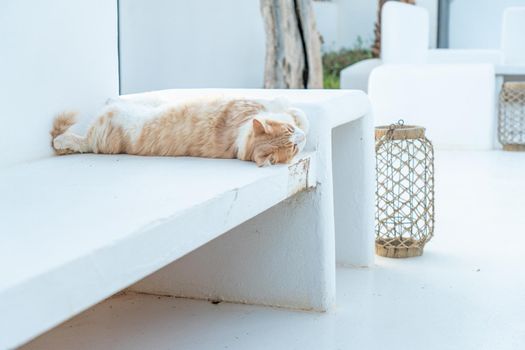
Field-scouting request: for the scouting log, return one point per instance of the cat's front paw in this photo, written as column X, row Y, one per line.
column 58, row 142
column 63, row 142
column 264, row 164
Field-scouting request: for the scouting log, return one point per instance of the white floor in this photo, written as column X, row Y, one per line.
column 466, row 292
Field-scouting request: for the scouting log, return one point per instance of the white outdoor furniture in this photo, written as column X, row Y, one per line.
column 512, row 43
column 76, row 229
column 404, row 40
column 448, row 99
column 356, row 76
column 454, row 102
column 428, row 87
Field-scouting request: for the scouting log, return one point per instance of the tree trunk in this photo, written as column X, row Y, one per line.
column 376, row 48
column 293, row 45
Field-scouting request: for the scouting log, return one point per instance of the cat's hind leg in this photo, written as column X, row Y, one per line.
column 64, row 141
column 68, row 143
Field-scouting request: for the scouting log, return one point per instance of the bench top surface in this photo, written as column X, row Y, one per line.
column 58, row 209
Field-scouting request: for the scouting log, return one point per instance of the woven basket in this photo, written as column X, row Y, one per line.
column 405, row 191
column 511, row 121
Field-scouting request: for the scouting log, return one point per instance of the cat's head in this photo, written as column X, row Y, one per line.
column 276, row 141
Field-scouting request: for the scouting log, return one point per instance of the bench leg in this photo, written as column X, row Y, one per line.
column 286, row 255
column 283, row 257
column 354, row 188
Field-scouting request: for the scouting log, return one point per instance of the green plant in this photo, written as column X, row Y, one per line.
column 335, row 62
column 330, row 81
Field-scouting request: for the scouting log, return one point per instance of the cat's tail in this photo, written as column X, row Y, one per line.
column 61, row 124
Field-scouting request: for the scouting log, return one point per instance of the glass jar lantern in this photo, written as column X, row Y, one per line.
column 405, row 190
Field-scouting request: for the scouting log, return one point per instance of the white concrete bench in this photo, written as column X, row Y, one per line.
column 76, row 229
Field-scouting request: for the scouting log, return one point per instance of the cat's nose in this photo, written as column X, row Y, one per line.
column 298, row 136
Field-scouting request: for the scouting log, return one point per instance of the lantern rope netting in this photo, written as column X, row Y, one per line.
column 405, row 190
column 511, row 121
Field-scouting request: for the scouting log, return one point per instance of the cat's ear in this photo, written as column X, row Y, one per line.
column 259, row 127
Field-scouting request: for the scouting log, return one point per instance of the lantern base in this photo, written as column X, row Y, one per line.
column 515, row 147
column 399, row 248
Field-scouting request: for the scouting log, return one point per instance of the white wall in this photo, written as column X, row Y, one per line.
column 55, row 55
column 209, row 43
column 477, row 23
column 326, row 20
column 343, row 22
column 198, row 43
column 356, row 19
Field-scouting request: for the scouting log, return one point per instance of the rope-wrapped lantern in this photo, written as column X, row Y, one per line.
column 511, row 125
column 405, row 190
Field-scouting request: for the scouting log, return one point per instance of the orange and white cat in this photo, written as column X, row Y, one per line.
column 220, row 128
